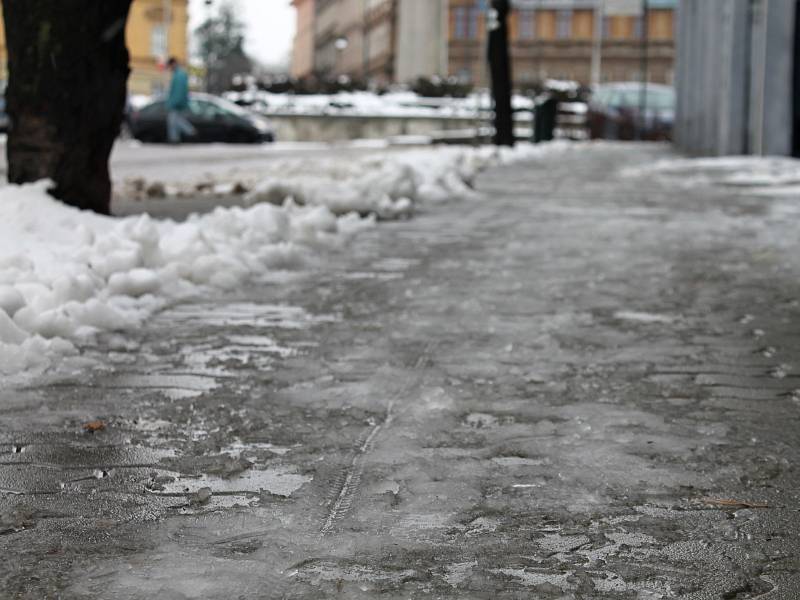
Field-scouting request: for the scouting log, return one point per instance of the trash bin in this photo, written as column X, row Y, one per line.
column 544, row 119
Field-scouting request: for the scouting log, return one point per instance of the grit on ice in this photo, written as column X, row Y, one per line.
column 66, row 274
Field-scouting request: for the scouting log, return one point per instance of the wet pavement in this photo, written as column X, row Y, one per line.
column 586, row 385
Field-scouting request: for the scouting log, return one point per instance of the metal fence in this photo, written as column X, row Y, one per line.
column 735, row 76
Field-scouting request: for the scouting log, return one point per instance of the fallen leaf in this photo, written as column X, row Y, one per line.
column 727, row 503
column 93, row 426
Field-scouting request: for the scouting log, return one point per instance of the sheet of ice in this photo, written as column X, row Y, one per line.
column 733, row 171
column 643, row 317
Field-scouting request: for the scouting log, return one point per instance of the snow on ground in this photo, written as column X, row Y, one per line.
column 381, row 180
column 392, row 104
column 388, row 185
column 66, row 275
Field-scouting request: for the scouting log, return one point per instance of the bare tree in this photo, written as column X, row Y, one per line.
column 221, row 45
column 68, row 73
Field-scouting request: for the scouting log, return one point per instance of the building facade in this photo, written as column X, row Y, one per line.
column 738, row 77
column 303, row 45
column 399, row 40
column 156, row 30
column 356, row 38
column 555, row 39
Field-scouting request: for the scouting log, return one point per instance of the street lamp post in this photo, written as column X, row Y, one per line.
column 208, row 54
column 597, row 43
column 340, row 44
column 365, row 41
column 644, row 69
column 166, row 9
column 500, row 67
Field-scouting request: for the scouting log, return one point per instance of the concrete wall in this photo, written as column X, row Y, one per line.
column 321, row 128
column 735, row 76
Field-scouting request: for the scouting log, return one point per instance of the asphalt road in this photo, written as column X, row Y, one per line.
column 583, row 386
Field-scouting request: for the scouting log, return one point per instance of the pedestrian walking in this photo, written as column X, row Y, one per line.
column 178, row 103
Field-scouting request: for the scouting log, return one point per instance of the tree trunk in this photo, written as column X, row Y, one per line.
column 68, row 73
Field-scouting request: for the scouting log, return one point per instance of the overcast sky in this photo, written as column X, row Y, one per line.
column 270, row 26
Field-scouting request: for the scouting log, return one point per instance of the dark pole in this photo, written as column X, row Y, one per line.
column 365, row 44
column 645, row 52
column 500, row 69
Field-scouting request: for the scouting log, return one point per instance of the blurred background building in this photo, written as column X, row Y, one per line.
column 738, row 77
column 156, row 30
column 399, row 40
column 302, row 60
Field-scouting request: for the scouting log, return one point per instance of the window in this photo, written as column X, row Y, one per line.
column 158, row 40
column 607, row 32
column 154, row 110
column 466, row 22
column 472, row 30
column 563, row 24
column 527, row 24
column 638, row 28
column 460, row 18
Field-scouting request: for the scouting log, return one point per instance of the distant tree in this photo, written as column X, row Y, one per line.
column 221, row 45
column 68, row 73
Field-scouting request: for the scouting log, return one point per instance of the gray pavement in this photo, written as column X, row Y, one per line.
column 583, row 386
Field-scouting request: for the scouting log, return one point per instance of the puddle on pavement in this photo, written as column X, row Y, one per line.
column 173, row 386
column 332, row 572
column 247, row 314
column 394, row 264
column 238, row 447
column 369, row 275
column 517, row 461
column 644, row 317
column 278, row 481
column 533, row 578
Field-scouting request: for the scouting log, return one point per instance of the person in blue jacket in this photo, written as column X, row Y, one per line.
column 177, row 104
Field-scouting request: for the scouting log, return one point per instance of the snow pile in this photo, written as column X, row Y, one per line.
column 369, row 104
column 66, row 275
column 388, row 184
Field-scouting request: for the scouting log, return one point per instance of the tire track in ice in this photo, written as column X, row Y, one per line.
column 347, row 483
column 349, row 480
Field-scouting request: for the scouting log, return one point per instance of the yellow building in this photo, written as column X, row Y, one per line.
column 156, row 30
column 151, row 41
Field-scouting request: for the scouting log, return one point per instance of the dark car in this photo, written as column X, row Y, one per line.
column 215, row 119
column 615, row 112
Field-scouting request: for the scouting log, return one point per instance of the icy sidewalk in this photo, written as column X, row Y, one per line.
column 67, row 275
column 584, row 386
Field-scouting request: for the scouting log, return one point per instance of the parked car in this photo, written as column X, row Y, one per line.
column 615, row 112
column 215, row 119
